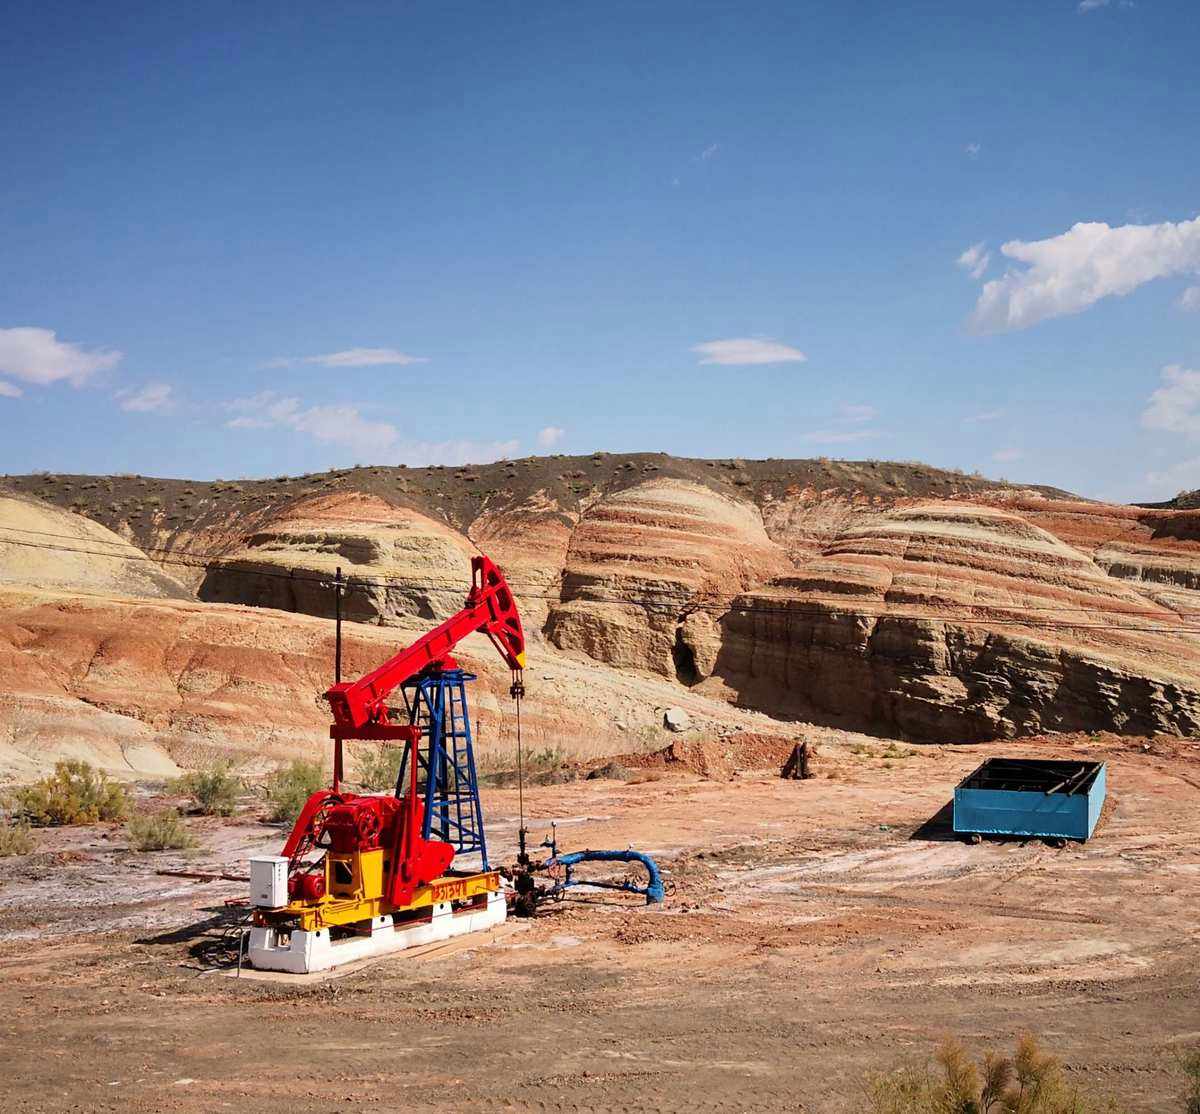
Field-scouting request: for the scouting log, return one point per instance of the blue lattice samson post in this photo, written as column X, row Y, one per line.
column 453, row 812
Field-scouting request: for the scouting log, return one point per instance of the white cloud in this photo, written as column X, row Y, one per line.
column 975, row 260
column 454, row 453
column 350, row 357
column 339, row 425
column 10, row 390
column 861, row 413
column 38, row 356
column 550, row 436
column 1184, row 476
column 740, row 351
column 153, row 397
column 972, row 150
column 1070, row 272
column 848, row 426
column 709, row 152
column 1006, row 455
column 1175, row 406
column 345, row 426
column 1086, row 6
column 983, row 416
column 365, row 357
column 1189, row 300
column 839, row 436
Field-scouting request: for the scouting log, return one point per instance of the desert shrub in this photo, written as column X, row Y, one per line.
column 532, row 761
column 1029, row 1082
column 1189, row 1065
column 214, row 790
column 16, row 838
column 76, row 793
column 290, row 786
column 158, row 831
column 379, row 767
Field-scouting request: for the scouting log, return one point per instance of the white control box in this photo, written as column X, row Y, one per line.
column 268, row 881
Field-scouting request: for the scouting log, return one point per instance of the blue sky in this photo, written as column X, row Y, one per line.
column 252, row 239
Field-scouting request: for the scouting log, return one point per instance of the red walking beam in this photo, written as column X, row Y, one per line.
column 490, row 608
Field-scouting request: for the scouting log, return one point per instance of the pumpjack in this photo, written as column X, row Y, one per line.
column 386, row 881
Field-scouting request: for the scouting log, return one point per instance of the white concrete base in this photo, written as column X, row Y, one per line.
column 305, row 952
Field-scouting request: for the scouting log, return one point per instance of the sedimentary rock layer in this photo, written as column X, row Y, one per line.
column 876, row 596
column 640, row 563
column 397, row 563
column 961, row 621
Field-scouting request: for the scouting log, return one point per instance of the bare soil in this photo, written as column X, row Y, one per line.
column 818, row 929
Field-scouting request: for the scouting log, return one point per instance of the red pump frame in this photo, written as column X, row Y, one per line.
column 360, row 711
column 358, row 706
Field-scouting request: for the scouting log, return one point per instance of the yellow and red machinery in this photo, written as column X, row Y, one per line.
column 385, row 881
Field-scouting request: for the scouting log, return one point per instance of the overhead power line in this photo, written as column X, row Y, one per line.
column 207, row 558
column 787, row 608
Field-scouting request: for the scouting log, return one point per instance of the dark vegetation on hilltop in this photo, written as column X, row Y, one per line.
column 1184, row 501
column 153, row 507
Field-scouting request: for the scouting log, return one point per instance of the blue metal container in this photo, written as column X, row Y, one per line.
column 1030, row 797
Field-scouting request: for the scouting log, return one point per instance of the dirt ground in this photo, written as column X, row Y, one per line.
column 817, row 930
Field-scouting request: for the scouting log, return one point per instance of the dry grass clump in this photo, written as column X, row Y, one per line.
column 379, row 768
column 214, row 791
column 532, row 761
column 1029, row 1082
column 1189, row 1066
column 76, row 793
column 16, row 838
column 290, row 786
column 159, row 831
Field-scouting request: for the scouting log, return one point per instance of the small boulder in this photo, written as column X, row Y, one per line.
column 676, row 719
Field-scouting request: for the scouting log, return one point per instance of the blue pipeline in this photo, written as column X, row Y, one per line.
column 653, row 890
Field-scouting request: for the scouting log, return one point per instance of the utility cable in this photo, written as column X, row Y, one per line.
column 787, row 607
column 208, row 558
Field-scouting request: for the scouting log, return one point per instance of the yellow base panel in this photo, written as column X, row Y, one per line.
column 354, row 892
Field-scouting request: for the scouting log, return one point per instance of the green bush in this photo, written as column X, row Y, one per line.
column 214, row 791
column 16, row 838
column 158, row 831
column 1030, row 1082
column 290, row 786
column 76, row 793
column 379, row 767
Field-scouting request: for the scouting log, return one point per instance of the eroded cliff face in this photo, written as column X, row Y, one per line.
column 148, row 687
column 641, row 564
column 955, row 621
column 397, row 563
column 529, row 542
column 44, row 545
column 934, row 606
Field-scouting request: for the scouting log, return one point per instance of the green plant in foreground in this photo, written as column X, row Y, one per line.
column 290, row 786
column 1189, row 1064
column 1029, row 1082
column 214, row 790
column 158, row 831
column 76, row 793
column 379, row 767
column 16, row 838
